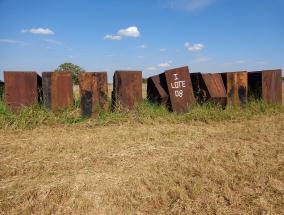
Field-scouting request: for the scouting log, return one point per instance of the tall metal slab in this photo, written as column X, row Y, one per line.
column 209, row 88
column 155, row 92
column 21, row 89
column 266, row 85
column 236, row 84
column 177, row 84
column 57, row 90
column 94, row 93
column 2, row 85
column 127, row 89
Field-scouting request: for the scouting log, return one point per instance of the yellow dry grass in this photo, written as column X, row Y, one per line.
column 233, row 167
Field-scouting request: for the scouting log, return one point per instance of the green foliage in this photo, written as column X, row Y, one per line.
column 70, row 67
column 146, row 112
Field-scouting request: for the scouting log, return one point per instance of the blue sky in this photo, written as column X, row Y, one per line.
column 147, row 35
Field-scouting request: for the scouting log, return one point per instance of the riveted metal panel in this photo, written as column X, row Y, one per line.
column 177, row 84
column 127, row 89
column 57, row 90
column 155, row 92
column 94, row 93
column 21, row 89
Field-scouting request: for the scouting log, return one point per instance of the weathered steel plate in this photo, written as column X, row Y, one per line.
column 57, row 90
column 2, row 85
column 155, row 92
column 215, row 88
column 236, row 84
column 266, row 85
column 94, row 93
column 127, row 89
column 209, row 88
column 177, row 84
column 21, row 89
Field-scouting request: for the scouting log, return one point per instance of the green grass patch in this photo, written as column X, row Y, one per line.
column 146, row 112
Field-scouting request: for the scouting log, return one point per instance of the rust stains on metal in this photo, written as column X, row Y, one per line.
column 177, row 84
column 155, row 92
column 57, row 90
column 266, row 85
column 94, row 93
column 209, row 88
column 127, row 89
column 236, row 84
column 21, row 89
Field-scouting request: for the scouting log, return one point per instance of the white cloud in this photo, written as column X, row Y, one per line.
column 151, row 68
column 234, row 63
column 240, row 62
column 143, row 46
column 129, row 32
column 201, row 60
column 163, row 50
column 189, row 5
column 166, row 64
column 9, row 41
column 194, row 47
column 112, row 37
column 42, row 31
column 261, row 62
column 54, row 42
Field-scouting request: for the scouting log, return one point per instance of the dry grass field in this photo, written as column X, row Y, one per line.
column 145, row 167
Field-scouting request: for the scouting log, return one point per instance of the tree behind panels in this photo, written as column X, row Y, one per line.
column 70, row 67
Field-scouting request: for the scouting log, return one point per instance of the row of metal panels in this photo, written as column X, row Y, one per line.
column 179, row 90
column 28, row 88
column 55, row 90
column 176, row 88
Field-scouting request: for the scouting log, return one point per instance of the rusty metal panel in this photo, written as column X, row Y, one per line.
column 57, row 90
column 127, row 89
column 272, row 86
column 94, row 93
column 236, row 84
column 2, row 85
column 177, row 84
column 209, row 88
column 21, row 89
column 155, row 92
column 215, row 88
column 266, row 85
